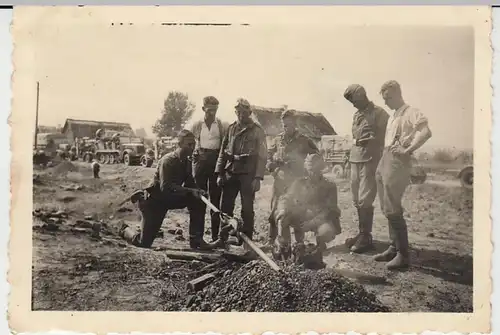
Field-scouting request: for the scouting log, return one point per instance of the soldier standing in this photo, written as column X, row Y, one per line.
column 209, row 133
column 173, row 187
column 407, row 131
column 286, row 163
column 241, row 164
column 368, row 131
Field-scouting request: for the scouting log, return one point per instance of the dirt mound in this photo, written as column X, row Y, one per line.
column 63, row 167
column 254, row 287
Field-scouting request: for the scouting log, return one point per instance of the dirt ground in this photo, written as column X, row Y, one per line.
column 74, row 271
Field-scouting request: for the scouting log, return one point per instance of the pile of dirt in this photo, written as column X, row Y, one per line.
column 254, row 287
column 63, row 168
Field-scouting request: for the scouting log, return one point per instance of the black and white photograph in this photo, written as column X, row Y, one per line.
column 218, row 165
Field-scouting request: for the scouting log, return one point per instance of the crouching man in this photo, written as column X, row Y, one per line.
column 309, row 204
column 173, row 187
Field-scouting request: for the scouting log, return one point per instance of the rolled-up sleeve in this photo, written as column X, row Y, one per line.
column 417, row 118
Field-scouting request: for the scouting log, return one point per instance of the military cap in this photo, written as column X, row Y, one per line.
column 352, row 90
column 210, row 101
column 288, row 114
column 242, row 104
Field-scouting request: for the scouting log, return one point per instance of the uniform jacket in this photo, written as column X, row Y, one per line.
column 243, row 150
column 196, row 130
column 368, row 133
column 289, row 154
column 307, row 200
column 173, row 175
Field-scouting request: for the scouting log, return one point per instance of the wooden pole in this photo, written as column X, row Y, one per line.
column 36, row 118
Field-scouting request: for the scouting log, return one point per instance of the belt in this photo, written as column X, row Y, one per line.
column 208, row 150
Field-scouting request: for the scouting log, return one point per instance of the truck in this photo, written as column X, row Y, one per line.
column 50, row 146
column 466, row 177
column 335, row 150
column 164, row 145
column 108, row 150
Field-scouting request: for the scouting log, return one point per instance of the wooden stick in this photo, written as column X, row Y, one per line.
column 259, row 252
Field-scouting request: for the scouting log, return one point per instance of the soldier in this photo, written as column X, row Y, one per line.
column 368, row 131
column 286, row 163
column 173, row 187
column 96, row 168
column 407, row 131
column 241, row 164
column 209, row 133
column 309, row 204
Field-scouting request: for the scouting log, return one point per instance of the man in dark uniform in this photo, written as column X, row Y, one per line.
column 368, row 132
column 309, row 204
column 173, row 187
column 209, row 133
column 286, row 163
column 241, row 164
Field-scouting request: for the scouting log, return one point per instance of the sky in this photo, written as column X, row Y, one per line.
column 123, row 73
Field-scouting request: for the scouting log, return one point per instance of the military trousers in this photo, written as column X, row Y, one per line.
column 392, row 177
column 363, row 183
column 206, row 179
column 153, row 211
column 241, row 184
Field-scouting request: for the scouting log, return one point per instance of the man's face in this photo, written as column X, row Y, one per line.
column 243, row 115
column 210, row 111
column 288, row 125
column 314, row 167
column 187, row 145
column 359, row 100
column 390, row 99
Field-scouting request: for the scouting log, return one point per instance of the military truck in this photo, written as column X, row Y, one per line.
column 335, row 150
column 164, row 145
column 50, row 146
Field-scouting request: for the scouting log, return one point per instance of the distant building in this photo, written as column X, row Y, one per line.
column 87, row 128
column 313, row 125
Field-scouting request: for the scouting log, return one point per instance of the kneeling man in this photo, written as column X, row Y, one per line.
column 310, row 204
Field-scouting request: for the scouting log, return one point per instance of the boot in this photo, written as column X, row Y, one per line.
column 215, row 228
column 402, row 259
column 386, row 256
column 349, row 242
column 364, row 242
column 201, row 244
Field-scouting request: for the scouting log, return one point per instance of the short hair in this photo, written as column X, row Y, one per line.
column 288, row 114
column 391, row 85
column 210, row 101
column 183, row 134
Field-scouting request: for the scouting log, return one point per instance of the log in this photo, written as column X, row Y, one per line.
column 201, row 255
column 199, row 283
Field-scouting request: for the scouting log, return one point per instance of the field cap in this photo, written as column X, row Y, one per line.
column 288, row 114
column 242, row 104
column 352, row 90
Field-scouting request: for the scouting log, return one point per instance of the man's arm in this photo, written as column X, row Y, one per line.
column 221, row 160
column 364, row 129
column 421, row 129
column 167, row 172
column 262, row 153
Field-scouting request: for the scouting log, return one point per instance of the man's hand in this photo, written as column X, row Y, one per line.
column 256, row 185
column 198, row 193
column 220, row 181
column 398, row 150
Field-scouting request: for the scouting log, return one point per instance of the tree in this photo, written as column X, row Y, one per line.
column 177, row 110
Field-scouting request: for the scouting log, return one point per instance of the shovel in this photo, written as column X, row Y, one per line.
column 234, row 223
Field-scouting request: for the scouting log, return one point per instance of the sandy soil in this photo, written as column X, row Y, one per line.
column 73, row 271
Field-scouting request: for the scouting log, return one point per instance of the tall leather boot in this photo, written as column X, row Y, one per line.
column 350, row 241
column 365, row 241
column 390, row 252
column 215, row 221
column 402, row 258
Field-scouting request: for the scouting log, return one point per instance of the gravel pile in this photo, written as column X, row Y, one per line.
column 254, row 287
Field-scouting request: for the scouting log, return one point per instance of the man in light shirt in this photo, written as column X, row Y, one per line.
column 209, row 133
column 407, row 130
